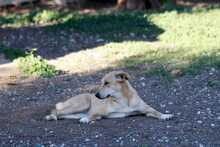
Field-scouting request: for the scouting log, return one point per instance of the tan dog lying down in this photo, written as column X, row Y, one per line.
column 116, row 98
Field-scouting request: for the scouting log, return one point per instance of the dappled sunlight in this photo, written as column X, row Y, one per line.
column 114, row 40
column 136, row 54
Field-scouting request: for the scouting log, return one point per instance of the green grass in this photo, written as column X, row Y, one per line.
column 28, row 63
column 37, row 66
column 184, row 39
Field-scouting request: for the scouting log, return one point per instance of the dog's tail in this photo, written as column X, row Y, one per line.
column 53, row 115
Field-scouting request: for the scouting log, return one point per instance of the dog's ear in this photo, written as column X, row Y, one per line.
column 122, row 76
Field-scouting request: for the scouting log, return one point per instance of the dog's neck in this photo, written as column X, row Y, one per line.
column 128, row 92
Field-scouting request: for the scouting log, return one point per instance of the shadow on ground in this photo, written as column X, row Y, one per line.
column 80, row 32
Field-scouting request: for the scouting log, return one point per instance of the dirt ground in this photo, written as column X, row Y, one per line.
column 194, row 100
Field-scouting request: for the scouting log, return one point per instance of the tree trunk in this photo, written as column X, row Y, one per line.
column 155, row 4
column 137, row 4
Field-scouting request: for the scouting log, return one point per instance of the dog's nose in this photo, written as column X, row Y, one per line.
column 98, row 95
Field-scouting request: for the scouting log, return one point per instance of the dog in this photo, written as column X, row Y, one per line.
column 116, row 98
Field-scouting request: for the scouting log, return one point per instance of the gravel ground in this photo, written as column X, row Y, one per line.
column 193, row 99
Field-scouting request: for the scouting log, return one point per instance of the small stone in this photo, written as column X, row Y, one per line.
column 132, row 34
column 100, row 40
column 212, row 125
column 142, row 78
column 144, row 36
column 143, row 84
column 198, row 112
column 178, row 113
column 170, row 103
column 87, row 139
column 167, row 111
column 199, row 122
column 176, row 72
column 201, row 145
column 168, row 126
column 52, row 145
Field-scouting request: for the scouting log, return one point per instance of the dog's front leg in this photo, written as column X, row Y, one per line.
column 149, row 111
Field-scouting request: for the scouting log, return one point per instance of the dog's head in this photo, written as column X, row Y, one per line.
column 113, row 85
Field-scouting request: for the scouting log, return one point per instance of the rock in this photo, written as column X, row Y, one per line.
column 87, row 139
column 176, row 72
column 199, row 121
column 201, row 145
column 212, row 125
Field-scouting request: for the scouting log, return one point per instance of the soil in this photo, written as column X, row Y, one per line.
column 194, row 100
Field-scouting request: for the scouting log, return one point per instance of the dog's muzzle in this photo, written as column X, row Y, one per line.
column 99, row 96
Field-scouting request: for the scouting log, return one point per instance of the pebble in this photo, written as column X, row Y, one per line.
column 142, row 78
column 199, row 122
column 170, row 103
column 132, row 34
column 87, row 139
column 178, row 113
column 167, row 111
column 168, row 126
column 100, row 40
column 212, row 125
column 52, row 145
column 201, row 145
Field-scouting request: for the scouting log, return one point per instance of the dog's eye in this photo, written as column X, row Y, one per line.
column 106, row 83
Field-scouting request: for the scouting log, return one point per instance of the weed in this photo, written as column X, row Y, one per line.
column 31, row 65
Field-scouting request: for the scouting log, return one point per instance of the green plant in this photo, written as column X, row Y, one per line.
column 45, row 16
column 31, row 65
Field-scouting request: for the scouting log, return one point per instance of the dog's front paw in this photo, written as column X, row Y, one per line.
column 51, row 117
column 166, row 116
column 84, row 120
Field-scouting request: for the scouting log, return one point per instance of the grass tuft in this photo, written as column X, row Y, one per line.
column 37, row 66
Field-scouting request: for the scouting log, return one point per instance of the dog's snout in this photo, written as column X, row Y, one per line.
column 98, row 95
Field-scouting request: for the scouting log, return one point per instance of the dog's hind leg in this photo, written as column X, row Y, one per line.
column 69, row 107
